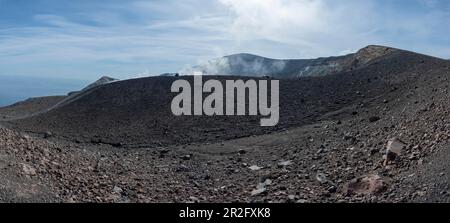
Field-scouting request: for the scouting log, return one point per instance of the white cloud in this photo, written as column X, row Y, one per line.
column 261, row 19
column 314, row 27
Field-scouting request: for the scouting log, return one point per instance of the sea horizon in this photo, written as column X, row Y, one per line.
column 14, row 89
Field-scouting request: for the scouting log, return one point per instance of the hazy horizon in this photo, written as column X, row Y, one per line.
column 18, row 88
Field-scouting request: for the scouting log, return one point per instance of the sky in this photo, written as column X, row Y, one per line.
column 86, row 39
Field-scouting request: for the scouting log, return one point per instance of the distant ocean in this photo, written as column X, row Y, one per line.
column 17, row 88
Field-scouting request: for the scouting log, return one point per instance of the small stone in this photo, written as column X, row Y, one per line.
column 332, row 189
column 163, row 151
column 284, row 163
column 255, row 168
column 395, row 146
column 261, row 187
column 421, row 193
column 186, row 157
column 117, row 190
column 48, row 134
column 267, row 182
column 374, row 151
column 194, row 199
column 182, row 168
column 242, row 152
column 259, row 191
column 28, row 170
column 420, row 162
column 374, row 119
column 349, row 137
column 321, row 178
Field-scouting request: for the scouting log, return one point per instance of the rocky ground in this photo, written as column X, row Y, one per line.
column 316, row 163
column 380, row 134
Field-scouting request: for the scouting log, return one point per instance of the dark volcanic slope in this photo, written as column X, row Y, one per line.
column 137, row 112
column 29, row 107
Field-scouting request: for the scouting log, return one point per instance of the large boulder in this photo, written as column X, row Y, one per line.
column 394, row 149
column 366, row 185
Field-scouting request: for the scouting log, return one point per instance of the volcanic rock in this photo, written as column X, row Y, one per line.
column 371, row 184
column 394, row 149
